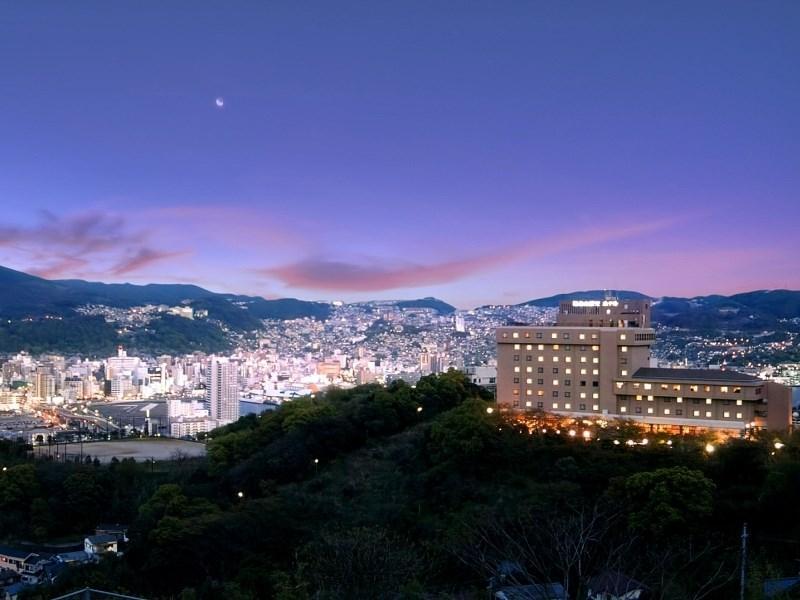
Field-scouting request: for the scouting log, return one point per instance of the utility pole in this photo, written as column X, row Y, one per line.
column 743, row 568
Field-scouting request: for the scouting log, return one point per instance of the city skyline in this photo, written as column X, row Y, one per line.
column 477, row 156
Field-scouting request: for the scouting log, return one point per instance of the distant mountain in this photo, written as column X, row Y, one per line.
column 553, row 301
column 438, row 305
column 762, row 309
column 23, row 295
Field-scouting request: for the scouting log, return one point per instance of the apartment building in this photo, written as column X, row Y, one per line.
column 595, row 361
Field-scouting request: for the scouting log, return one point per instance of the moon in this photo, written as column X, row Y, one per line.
column 220, row 102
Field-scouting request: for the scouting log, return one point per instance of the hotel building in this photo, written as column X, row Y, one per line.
column 595, row 361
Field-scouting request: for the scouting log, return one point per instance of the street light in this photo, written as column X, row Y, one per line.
column 778, row 445
column 489, row 410
column 710, row 448
column 240, row 494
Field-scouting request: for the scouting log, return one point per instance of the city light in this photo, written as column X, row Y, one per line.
column 710, row 448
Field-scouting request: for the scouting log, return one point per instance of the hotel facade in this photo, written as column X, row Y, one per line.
column 595, row 362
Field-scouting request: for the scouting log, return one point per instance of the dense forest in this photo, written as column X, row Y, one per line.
column 419, row 492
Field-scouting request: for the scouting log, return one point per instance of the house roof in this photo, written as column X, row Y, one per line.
column 701, row 375
column 535, row 591
column 773, row 587
column 616, row 583
column 15, row 553
column 103, row 538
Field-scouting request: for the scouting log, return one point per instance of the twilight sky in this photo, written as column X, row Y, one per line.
column 481, row 152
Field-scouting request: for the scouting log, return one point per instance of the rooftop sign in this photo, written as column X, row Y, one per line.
column 595, row 303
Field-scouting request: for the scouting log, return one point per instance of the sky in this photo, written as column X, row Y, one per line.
column 479, row 152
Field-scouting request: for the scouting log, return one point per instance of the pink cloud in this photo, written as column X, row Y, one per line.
column 317, row 273
column 144, row 257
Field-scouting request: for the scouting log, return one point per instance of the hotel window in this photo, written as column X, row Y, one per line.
column 565, row 336
column 583, row 395
column 676, row 388
column 693, row 388
column 541, row 346
column 516, row 369
column 666, row 411
column 540, row 381
column 595, row 396
column 583, row 359
column 723, row 389
column 583, row 348
column 623, row 337
column 568, row 371
column 515, row 335
column 528, row 357
column 582, row 336
column 708, row 388
column 595, row 407
column 595, row 384
column 649, row 398
column 649, row 410
column 529, row 404
column 648, row 386
column 516, row 379
column 738, row 415
column 540, row 393
column 567, row 406
column 529, row 392
column 540, row 370
column 582, row 407
column 527, row 334
column 540, row 358
column 583, row 383
column 554, row 336
column 529, row 381
column 515, row 404
column 623, row 409
column 623, row 373
column 568, row 359
column 540, row 405
column 555, row 381
column 505, row 335
column 555, row 394
column 556, row 347
column 516, row 346
column 696, row 413
column 679, row 411
column 620, row 385
column 529, row 369
column 516, row 392
column 664, row 386
column 555, row 370
column 638, row 396
column 595, row 348
column 679, row 399
column 737, row 390
column 708, row 414
column 726, row 414
column 594, row 336
column 636, row 386
column 709, row 400
column 516, row 358
column 695, row 400
column 555, row 359
column 568, row 382
column 567, row 347
column 738, row 403
column 596, row 360
column 567, row 394
column 538, row 335
column 555, row 405
column 595, row 371
column 529, row 347
column 638, row 410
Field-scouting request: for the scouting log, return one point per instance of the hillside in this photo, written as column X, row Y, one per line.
column 553, row 301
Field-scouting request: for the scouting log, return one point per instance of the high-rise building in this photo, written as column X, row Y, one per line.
column 222, row 390
column 595, row 361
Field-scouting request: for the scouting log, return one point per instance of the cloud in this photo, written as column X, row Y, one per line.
column 318, row 273
column 144, row 257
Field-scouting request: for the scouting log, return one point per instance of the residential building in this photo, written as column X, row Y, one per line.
column 222, row 390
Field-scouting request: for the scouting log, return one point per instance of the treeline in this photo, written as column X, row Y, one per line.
column 421, row 492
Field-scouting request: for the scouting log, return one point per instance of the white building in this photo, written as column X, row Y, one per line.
column 222, row 390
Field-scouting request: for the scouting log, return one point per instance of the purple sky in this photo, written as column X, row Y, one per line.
column 476, row 151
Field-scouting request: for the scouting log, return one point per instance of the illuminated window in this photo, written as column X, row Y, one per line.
column 708, row 414
column 529, row 369
column 709, row 400
column 595, row 396
column 676, row 387
column 583, row 371
column 737, row 390
column 623, row 409
column 556, row 346
column 623, row 337
column 529, row 347
column 595, row 407
column 555, row 359
column 595, row 371
column 678, row 399
column 693, row 388
column 515, row 335
column 708, row 388
column 555, row 404
column 649, row 398
column 583, row 395
column 582, row 336
column 516, row 346
column 594, row 336
column 529, row 404
column 648, row 386
column 726, row 414
column 723, row 389
column 529, row 381
column 554, row 336
column 620, row 385
column 567, row 406
column 516, row 369
column 738, row 415
column 664, row 386
column 666, row 411
column 623, row 348
column 540, row 393
column 596, row 360
column 583, row 359
column 738, row 403
column 595, row 348
column 555, row 381
column 541, row 346
column 696, row 413
column 638, row 397
column 568, row 359
column 529, row 392
column 568, row 371
column 540, row 358
column 649, row 410
column 623, row 373
column 516, row 392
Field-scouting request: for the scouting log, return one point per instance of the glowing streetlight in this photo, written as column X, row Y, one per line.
column 616, row 442
column 778, row 445
column 587, row 434
column 240, row 494
column 710, row 448
column 572, row 433
column 419, row 409
column 645, row 441
column 489, row 410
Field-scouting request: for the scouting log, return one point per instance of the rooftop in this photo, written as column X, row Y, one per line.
column 703, row 375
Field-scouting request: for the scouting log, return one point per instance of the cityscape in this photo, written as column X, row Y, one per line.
column 400, row 301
